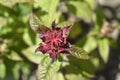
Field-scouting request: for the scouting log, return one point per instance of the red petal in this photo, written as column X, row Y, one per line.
column 52, row 55
column 53, row 25
column 65, row 30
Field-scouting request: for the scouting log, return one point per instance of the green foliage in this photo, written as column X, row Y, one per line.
column 50, row 7
column 18, row 41
column 35, row 23
column 2, row 72
column 79, row 52
column 103, row 46
column 46, row 69
column 77, row 7
column 90, row 44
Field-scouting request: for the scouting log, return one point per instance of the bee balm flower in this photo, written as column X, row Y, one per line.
column 54, row 41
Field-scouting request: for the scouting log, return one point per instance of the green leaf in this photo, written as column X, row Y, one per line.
column 29, row 36
column 58, row 76
column 32, row 56
column 46, row 69
column 79, row 53
column 99, row 16
column 90, row 44
column 65, row 24
column 14, row 56
column 49, row 6
column 103, row 47
column 2, row 70
column 91, row 3
column 35, row 23
column 80, row 9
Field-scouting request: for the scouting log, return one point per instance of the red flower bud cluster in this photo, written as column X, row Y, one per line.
column 54, row 41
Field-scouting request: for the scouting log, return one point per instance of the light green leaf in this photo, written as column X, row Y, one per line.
column 79, row 53
column 80, row 8
column 50, row 7
column 29, row 36
column 91, row 3
column 46, row 69
column 58, row 76
column 103, row 47
column 32, row 56
column 90, row 44
column 35, row 23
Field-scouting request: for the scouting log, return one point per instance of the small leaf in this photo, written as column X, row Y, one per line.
column 35, row 23
column 79, row 53
column 14, row 56
column 103, row 47
column 64, row 24
column 46, row 69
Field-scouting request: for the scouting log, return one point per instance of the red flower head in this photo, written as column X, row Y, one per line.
column 54, row 41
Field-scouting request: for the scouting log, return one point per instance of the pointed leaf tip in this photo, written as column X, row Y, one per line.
column 35, row 23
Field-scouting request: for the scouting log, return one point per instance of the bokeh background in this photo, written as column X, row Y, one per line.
column 96, row 29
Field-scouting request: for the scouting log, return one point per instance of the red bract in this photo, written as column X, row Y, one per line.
column 54, row 41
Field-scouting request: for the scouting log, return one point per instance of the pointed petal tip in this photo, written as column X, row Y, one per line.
column 53, row 24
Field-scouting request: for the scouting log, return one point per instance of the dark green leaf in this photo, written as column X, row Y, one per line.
column 99, row 16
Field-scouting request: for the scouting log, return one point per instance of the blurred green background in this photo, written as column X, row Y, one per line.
column 96, row 29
